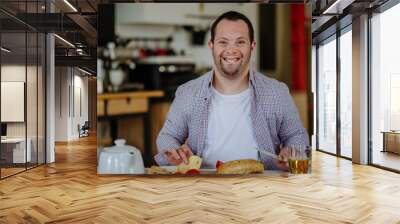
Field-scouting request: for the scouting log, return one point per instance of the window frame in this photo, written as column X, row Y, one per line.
column 347, row 27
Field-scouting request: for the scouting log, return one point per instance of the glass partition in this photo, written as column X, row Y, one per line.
column 13, row 86
column 22, row 87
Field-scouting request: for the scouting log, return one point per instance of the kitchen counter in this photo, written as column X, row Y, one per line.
column 114, row 104
column 132, row 95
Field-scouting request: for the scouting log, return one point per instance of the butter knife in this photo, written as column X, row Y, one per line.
column 273, row 155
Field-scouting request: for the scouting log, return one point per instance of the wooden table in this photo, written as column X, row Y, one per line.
column 117, row 106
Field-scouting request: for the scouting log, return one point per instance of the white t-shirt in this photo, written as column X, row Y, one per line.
column 230, row 131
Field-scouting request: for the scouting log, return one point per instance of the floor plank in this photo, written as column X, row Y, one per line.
column 70, row 191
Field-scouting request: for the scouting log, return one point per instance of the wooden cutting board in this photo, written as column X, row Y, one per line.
column 210, row 173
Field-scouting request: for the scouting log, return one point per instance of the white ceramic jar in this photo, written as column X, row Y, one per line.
column 117, row 77
column 120, row 159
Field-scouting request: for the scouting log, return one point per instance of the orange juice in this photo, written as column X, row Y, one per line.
column 298, row 166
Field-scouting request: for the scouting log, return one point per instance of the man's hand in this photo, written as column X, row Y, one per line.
column 282, row 162
column 180, row 155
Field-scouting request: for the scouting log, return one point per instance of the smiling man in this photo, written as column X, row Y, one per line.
column 231, row 112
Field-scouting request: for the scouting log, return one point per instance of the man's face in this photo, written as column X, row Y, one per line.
column 231, row 48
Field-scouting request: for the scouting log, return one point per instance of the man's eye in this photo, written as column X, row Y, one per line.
column 242, row 42
column 222, row 42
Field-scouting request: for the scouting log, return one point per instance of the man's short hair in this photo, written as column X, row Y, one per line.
column 232, row 16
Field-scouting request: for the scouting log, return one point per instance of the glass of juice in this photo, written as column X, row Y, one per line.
column 299, row 159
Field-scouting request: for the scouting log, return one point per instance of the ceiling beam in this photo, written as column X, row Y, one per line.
column 84, row 24
column 337, row 7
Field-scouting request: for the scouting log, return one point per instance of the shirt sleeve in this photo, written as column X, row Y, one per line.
column 291, row 132
column 175, row 129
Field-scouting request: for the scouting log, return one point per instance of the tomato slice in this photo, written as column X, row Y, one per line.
column 219, row 163
column 193, row 171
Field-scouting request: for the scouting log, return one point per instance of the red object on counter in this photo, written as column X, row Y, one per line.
column 193, row 171
column 142, row 53
column 160, row 52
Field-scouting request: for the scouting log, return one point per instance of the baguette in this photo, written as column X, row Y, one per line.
column 244, row 166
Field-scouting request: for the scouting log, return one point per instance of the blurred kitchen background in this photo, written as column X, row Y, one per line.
column 146, row 50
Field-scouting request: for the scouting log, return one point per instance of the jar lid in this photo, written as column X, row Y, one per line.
column 120, row 146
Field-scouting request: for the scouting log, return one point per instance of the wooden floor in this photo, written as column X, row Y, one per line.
column 5, row 172
column 10, row 171
column 70, row 191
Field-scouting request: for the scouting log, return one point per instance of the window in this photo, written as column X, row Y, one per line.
column 327, row 96
column 385, row 88
column 334, row 137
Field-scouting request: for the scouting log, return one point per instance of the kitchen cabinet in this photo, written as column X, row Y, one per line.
column 122, row 106
column 118, row 109
column 160, row 13
column 175, row 13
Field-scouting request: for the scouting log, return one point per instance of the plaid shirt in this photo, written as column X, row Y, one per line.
column 274, row 117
